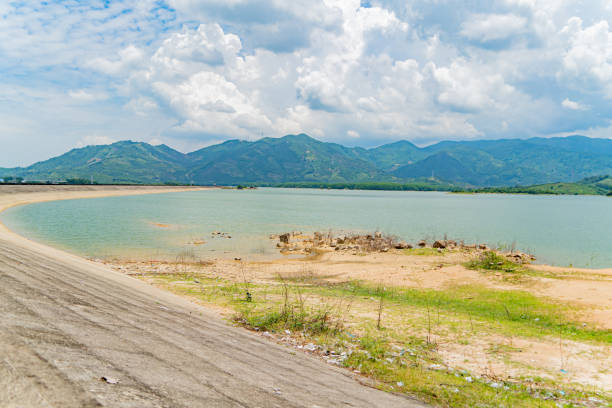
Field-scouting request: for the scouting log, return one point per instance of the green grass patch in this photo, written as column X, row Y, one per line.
column 398, row 360
column 422, row 251
column 514, row 312
column 511, row 312
column 293, row 317
column 414, row 370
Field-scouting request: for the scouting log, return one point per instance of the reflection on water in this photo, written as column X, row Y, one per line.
column 560, row 230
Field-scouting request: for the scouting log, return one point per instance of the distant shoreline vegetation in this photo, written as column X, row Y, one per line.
column 597, row 185
column 83, row 182
column 367, row 186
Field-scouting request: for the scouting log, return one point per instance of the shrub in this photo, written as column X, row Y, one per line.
column 492, row 261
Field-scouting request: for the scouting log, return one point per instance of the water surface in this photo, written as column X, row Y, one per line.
column 560, row 230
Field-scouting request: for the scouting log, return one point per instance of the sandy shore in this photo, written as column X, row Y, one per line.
column 16, row 195
column 75, row 333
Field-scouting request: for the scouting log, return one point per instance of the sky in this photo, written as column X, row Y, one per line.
column 191, row 73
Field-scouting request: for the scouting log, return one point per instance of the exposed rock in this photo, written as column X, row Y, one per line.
column 296, row 242
column 520, row 257
column 439, row 244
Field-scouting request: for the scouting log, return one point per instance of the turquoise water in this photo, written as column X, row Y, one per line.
column 560, row 230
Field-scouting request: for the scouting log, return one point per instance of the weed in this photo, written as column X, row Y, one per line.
column 381, row 300
column 293, row 313
column 492, row 261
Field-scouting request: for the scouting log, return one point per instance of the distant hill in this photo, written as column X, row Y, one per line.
column 520, row 162
column 302, row 159
column 599, row 185
column 276, row 160
column 121, row 162
column 393, row 155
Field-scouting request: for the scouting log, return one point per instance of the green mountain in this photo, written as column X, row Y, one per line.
column 277, row 160
column 121, row 162
column 302, row 159
column 519, row 162
column 393, row 155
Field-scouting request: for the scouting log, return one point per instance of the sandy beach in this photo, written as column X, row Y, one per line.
column 76, row 333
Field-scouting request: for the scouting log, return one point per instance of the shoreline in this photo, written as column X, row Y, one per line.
column 43, row 193
column 425, row 188
column 30, row 195
column 96, row 269
column 77, row 333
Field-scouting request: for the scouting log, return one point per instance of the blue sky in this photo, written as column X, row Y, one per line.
column 190, row 73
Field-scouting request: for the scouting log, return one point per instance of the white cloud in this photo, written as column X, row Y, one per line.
column 85, row 95
column 128, row 58
column 589, row 57
column 569, row 104
column 208, row 102
column 464, row 88
column 142, row 105
column 489, row 27
column 192, row 50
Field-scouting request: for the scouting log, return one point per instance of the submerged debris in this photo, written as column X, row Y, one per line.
column 218, row 234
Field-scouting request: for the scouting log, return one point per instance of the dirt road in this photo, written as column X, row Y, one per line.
column 66, row 323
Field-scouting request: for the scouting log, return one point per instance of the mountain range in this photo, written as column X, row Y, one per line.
column 300, row 158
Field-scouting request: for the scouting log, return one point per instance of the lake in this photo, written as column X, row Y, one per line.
column 559, row 230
